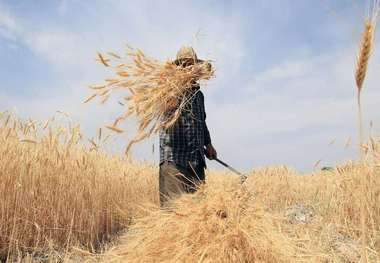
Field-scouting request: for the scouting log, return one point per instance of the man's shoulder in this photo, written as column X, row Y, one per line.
column 199, row 93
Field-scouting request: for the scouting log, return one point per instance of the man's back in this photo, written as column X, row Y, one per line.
column 183, row 143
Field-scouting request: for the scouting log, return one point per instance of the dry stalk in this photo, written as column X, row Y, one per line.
column 365, row 50
column 60, row 195
column 156, row 92
column 55, row 192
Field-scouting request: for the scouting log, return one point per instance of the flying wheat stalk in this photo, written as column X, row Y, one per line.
column 365, row 51
column 155, row 92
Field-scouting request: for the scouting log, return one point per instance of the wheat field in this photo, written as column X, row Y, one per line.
column 61, row 201
column 55, row 194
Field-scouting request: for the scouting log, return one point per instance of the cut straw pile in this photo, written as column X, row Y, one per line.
column 222, row 223
column 156, row 92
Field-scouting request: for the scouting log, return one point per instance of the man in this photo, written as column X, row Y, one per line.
column 184, row 145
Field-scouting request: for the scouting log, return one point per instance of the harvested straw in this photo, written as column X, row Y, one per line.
column 157, row 91
column 222, row 223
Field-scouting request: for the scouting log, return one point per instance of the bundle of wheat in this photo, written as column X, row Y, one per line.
column 157, row 91
column 222, row 223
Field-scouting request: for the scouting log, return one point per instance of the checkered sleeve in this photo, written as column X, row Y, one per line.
column 184, row 142
column 207, row 138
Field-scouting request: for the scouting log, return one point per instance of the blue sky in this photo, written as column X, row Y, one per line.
column 284, row 86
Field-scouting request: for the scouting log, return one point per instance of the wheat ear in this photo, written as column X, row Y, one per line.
column 365, row 50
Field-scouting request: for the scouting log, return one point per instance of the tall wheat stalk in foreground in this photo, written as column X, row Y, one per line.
column 365, row 50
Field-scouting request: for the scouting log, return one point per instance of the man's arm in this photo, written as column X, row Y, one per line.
column 210, row 150
column 206, row 133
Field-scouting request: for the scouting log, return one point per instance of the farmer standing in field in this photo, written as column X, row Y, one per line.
column 184, row 145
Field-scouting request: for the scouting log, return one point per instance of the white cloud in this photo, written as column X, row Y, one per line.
column 285, row 114
column 289, row 113
column 72, row 53
column 60, row 48
column 8, row 25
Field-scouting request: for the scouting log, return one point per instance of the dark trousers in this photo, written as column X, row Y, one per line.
column 175, row 180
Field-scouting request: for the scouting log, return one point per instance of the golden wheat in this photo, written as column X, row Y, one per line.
column 223, row 222
column 155, row 92
column 365, row 50
column 55, row 193
column 366, row 47
column 364, row 53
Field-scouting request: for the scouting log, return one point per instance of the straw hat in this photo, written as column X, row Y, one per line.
column 187, row 52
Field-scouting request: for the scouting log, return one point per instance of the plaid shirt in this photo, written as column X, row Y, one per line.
column 183, row 143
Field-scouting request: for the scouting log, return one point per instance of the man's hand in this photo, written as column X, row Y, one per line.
column 211, row 153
